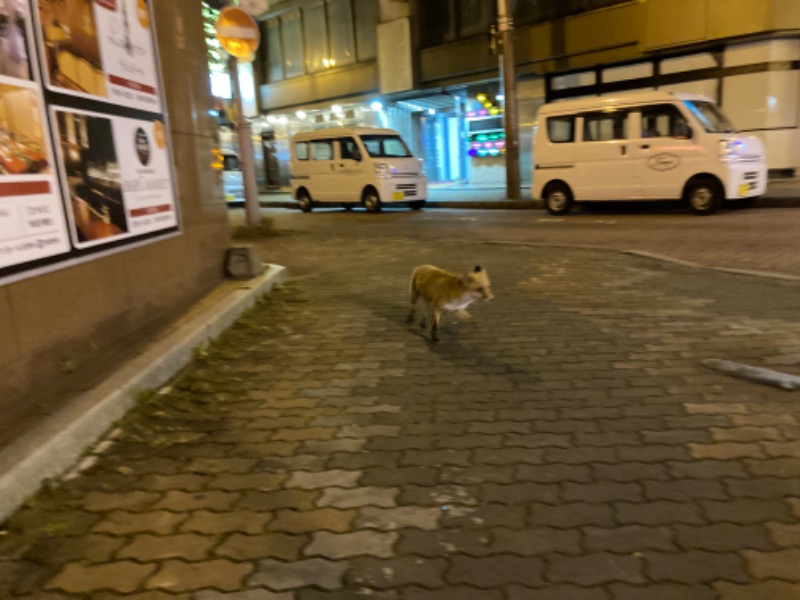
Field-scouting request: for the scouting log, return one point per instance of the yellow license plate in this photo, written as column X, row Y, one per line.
column 398, row 196
column 744, row 189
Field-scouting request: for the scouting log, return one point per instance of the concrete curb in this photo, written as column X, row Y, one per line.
column 56, row 445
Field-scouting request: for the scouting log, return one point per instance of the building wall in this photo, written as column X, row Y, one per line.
column 59, row 329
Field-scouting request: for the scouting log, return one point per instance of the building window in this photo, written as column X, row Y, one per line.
column 366, row 12
column 316, row 34
column 437, row 22
column 475, row 17
column 292, row 35
column 340, row 25
column 537, row 11
column 274, row 54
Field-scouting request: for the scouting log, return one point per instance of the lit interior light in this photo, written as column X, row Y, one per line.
column 481, row 98
column 431, row 111
column 301, row 114
column 376, row 106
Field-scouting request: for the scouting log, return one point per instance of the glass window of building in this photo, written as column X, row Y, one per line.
column 340, row 25
column 475, row 17
column 437, row 22
column 537, row 11
column 274, row 54
column 316, row 34
column 366, row 13
column 292, row 37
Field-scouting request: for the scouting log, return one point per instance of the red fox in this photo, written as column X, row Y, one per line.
column 443, row 290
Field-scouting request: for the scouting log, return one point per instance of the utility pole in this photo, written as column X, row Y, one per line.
column 252, row 207
column 505, row 26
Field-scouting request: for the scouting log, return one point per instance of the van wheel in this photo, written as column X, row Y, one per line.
column 304, row 201
column 371, row 201
column 704, row 196
column 558, row 199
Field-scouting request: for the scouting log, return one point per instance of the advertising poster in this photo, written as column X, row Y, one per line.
column 117, row 173
column 32, row 223
column 102, row 49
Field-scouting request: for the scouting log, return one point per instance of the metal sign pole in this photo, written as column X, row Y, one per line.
column 505, row 26
column 252, row 207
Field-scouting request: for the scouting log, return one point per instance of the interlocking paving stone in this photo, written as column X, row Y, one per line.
column 150, row 548
column 594, row 569
column 399, row 517
column 158, row 521
column 280, row 576
column 122, row 576
column 494, row 571
column 400, row 571
column 694, row 567
column 241, row 547
column 321, row 451
column 341, row 545
column 536, row 541
column 781, row 564
column 556, row 592
column 758, row 591
column 323, row 519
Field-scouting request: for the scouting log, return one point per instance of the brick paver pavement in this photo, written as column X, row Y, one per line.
column 564, row 445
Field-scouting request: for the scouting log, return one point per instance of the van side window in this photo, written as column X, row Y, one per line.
column 322, row 150
column 301, row 150
column 348, row 148
column 604, row 126
column 231, row 163
column 561, row 129
column 663, row 120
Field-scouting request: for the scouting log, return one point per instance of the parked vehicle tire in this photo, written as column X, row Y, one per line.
column 704, row 196
column 371, row 200
column 417, row 205
column 558, row 198
column 304, row 201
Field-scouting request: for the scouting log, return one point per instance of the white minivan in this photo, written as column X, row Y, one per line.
column 644, row 146
column 351, row 166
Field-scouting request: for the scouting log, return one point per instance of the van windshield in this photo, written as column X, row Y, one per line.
column 382, row 146
column 710, row 117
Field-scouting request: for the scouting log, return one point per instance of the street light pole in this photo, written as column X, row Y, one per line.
column 252, row 208
column 505, row 26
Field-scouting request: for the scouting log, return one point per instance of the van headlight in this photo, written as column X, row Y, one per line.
column 730, row 150
column 382, row 170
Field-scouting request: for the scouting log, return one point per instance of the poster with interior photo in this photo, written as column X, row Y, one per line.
column 32, row 221
column 117, row 174
column 102, row 49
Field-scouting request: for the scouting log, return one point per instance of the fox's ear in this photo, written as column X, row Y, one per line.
column 478, row 269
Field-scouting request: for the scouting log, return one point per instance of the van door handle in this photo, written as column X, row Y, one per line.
column 623, row 150
column 645, row 146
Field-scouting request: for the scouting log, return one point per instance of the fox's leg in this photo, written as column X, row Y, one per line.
column 424, row 321
column 414, row 298
column 435, row 314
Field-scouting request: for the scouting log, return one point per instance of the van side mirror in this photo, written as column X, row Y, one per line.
column 357, row 155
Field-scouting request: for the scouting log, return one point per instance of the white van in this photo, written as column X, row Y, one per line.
column 644, row 146
column 355, row 165
column 232, row 180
